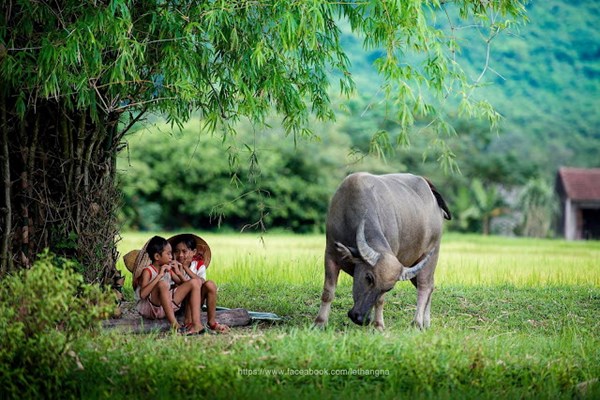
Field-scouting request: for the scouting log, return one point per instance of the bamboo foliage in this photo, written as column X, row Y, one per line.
column 75, row 76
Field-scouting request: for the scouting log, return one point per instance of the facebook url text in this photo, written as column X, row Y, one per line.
column 312, row 372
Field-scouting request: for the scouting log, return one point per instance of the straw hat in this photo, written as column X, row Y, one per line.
column 136, row 261
column 129, row 259
column 201, row 246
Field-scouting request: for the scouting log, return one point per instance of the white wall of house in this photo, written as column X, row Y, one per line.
column 570, row 220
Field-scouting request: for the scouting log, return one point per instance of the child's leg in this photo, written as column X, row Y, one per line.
column 188, row 310
column 188, row 314
column 209, row 291
column 191, row 290
column 163, row 293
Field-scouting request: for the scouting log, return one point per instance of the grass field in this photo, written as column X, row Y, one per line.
column 511, row 318
column 464, row 260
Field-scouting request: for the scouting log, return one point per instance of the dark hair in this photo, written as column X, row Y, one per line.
column 156, row 245
column 188, row 240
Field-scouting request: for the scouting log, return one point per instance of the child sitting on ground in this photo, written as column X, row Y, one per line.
column 157, row 297
column 187, row 249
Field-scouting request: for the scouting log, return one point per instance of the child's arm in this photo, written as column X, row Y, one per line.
column 192, row 274
column 177, row 273
column 188, row 271
column 147, row 285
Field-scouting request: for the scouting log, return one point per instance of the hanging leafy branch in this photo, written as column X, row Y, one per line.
column 84, row 72
column 234, row 58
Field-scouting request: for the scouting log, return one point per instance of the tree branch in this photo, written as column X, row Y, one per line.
column 133, row 121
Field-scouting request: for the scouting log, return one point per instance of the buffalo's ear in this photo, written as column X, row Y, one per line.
column 348, row 253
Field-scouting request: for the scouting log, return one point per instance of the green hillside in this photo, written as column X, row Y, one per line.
column 544, row 79
column 551, row 95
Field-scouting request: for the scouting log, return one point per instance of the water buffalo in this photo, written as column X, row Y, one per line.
column 382, row 229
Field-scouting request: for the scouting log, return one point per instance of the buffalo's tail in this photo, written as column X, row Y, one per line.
column 440, row 200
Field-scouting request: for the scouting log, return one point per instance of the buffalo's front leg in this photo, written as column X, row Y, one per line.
column 332, row 272
column 379, row 325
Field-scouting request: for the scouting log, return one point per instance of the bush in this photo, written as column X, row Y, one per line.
column 43, row 310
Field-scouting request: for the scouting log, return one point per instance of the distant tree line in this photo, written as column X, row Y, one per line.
column 175, row 179
column 196, row 180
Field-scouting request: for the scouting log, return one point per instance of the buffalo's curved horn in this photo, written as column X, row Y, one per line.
column 409, row 273
column 366, row 252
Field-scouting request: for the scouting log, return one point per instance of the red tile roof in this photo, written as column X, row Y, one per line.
column 581, row 184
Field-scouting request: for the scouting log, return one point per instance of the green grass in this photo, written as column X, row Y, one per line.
column 511, row 318
column 465, row 260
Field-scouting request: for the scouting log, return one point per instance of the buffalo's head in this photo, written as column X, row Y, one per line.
column 374, row 274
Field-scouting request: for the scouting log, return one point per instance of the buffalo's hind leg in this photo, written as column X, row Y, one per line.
column 332, row 272
column 424, row 283
column 422, row 315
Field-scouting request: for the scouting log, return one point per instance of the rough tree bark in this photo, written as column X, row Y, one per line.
column 60, row 192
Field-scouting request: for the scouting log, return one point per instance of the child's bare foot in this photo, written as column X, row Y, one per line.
column 176, row 326
column 217, row 327
column 196, row 330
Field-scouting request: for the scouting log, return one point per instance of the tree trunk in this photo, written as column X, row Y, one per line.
column 59, row 173
column 486, row 225
column 6, row 210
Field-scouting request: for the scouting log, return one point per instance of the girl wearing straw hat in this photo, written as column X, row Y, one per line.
column 193, row 253
column 155, row 293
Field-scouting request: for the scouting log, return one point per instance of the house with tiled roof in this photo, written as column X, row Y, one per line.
column 579, row 193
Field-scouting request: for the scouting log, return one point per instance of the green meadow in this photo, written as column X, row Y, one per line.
column 471, row 260
column 511, row 318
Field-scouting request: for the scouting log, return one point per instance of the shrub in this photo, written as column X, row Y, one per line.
column 43, row 310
